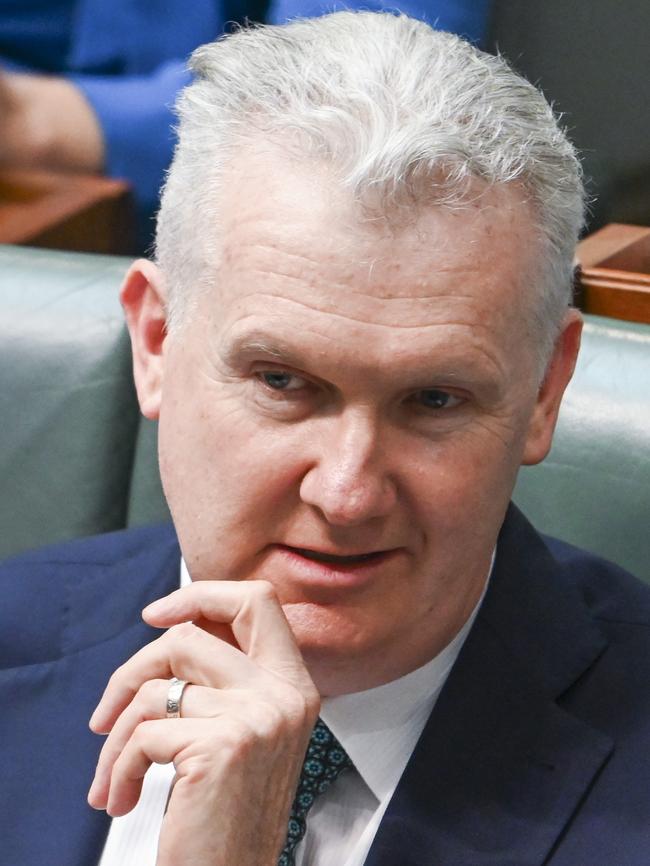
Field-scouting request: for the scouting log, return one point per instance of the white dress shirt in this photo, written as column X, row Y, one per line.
column 385, row 721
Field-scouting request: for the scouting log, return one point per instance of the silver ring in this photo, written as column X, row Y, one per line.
column 174, row 697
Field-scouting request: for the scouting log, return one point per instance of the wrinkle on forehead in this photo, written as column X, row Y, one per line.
column 273, row 201
column 399, row 313
column 390, row 267
column 374, row 278
column 410, row 276
column 335, row 266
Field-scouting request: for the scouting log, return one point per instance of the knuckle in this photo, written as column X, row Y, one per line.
column 305, row 707
column 263, row 591
column 198, row 768
column 116, row 677
column 283, row 711
column 312, row 702
column 151, row 690
column 290, row 700
column 140, row 735
column 180, row 632
column 273, row 717
column 144, row 733
column 182, row 640
column 299, row 695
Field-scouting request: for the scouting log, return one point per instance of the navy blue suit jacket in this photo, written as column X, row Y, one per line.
column 537, row 752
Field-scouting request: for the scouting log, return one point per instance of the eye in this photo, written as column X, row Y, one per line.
column 434, row 398
column 280, row 380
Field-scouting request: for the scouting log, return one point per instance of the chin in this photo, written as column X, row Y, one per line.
column 328, row 634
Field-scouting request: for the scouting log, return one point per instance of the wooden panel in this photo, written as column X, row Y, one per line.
column 614, row 273
column 66, row 212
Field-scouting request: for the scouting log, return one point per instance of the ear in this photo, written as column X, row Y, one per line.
column 558, row 375
column 143, row 298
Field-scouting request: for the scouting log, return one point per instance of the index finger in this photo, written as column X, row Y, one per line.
column 250, row 608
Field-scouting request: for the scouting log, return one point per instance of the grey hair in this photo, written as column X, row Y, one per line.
column 398, row 109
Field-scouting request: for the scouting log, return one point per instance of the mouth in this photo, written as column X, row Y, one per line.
column 336, row 559
column 342, row 563
column 328, row 571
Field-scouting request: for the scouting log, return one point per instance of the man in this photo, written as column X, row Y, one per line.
column 358, row 328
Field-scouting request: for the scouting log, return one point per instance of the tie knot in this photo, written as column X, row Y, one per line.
column 324, row 762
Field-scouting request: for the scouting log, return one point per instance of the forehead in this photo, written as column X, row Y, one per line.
column 274, row 209
column 294, row 245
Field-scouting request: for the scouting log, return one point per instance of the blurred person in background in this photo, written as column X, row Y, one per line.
column 89, row 85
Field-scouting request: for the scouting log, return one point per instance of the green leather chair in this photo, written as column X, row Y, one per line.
column 76, row 458
column 73, row 459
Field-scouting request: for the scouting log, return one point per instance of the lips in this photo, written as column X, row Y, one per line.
column 335, row 559
column 328, row 572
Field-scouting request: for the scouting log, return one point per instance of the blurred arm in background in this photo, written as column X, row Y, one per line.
column 89, row 85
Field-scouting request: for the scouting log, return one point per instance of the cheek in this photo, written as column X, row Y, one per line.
column 230, row 483
column 207, row 442
column 201, row 452
column 463, row 478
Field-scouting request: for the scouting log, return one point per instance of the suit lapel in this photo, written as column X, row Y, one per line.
column 52, row 702
column 501, row 767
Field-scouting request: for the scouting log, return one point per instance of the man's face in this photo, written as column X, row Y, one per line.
column 345, row 414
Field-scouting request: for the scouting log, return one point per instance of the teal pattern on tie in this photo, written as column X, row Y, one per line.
column 324, row 762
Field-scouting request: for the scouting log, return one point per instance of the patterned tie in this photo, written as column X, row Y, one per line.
column 325, row 760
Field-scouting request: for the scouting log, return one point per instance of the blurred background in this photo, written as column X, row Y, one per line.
column 87, row 89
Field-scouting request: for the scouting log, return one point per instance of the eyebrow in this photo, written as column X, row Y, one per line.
column 256, row 343
column 246, row 346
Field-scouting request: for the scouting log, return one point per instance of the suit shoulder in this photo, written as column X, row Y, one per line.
column 609, row 591
column 103, row 549
column 59, row 599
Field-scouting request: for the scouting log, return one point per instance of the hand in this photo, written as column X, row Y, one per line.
column 47, row 123
column 247, row 716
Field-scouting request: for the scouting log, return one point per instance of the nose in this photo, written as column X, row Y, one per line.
column 349, row 482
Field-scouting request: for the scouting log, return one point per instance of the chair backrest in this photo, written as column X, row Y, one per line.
column 69, row 419
column 593, row 489
column 75, row 457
